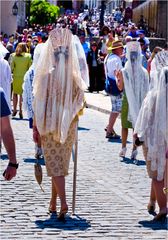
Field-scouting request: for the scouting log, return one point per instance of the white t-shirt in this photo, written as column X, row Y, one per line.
column 112, row 62
column 6, row 79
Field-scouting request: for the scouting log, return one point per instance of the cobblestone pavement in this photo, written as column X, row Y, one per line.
column 111, row 194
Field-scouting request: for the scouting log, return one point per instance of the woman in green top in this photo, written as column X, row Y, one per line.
column 20, row 63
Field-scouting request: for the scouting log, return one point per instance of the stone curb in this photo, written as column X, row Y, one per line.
column 98, row 109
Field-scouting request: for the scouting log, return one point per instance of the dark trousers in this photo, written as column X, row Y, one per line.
column 94, row 79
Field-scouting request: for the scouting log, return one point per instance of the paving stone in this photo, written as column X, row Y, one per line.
column 111, row 194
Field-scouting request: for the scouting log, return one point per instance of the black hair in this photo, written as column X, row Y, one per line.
column 141, row 41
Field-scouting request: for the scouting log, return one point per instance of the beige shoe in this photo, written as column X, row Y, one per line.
column 134, row 154
column 123, row 152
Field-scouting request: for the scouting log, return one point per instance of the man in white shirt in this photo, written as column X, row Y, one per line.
column 5, row 75
column 112, row 64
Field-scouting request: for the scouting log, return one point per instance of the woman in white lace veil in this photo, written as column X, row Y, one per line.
column 152, row 128
column 135, row 81
column 28, row 94
column 60, row 80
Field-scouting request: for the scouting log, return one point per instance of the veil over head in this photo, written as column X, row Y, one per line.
column 37, row 51
column 160, row 60
column 152, row 121
column 60, row 80
column 3, row 51
column 28, row 82
column 136, row 80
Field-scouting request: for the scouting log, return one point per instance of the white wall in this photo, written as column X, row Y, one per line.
column 8, row 22
column 54, row 2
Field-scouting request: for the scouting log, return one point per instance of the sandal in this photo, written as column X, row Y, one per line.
column 50, row 211
column 160, row 217
column 21, row 115
column 134, row 154
column 123, row 152
column 62, row 214
column 151, row 208
column 14, row 113
column 112, row 135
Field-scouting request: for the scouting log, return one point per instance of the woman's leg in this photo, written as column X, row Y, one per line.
column 134, row 151
column 59, row 183
column 15, row 101
column 152, row 200
column 112, row 120
column 124, row 135
column 152, row 193
column 160, row 196
column 20, row 107
column 20, row 103
column 53, row 200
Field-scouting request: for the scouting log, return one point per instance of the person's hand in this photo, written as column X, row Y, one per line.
column 118, row 75
column 135, row 136
column 156, row 49
column 9, row 173
column 35, row 134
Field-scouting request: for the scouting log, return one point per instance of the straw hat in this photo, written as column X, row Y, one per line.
column 115, row 45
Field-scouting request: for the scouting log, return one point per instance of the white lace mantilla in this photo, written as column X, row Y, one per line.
column 61, row 66
column 136, row 80
column 152, row 122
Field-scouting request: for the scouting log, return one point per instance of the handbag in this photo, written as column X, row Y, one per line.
column 111, row 87
column 38, row 174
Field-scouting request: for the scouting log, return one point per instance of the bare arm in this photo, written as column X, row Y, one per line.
column 9, row 143
column 8, row 138
column 119, row 80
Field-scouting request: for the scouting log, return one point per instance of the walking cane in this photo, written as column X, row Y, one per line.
column 74, row 156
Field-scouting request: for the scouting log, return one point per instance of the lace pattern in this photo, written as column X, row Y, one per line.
column 152, row 122
column 28, row 92
column 136, row 81
column 58, row 70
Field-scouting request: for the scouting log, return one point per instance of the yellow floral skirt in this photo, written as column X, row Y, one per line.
column 57, row 156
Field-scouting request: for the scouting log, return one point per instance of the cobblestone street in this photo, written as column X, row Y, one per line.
column 112, row 195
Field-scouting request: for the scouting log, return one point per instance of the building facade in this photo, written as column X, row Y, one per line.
column 155, row 14
column 11, row 23
column 111, row 5
column 54, row 2
column 92, row 3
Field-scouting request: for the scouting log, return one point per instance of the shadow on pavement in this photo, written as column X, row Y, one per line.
column 116, row 140
column 70, row 223
column 154, row 225
column 4, row 157
column 33, row 160
column 18, row 119
column 83, row 129
column 132, row 161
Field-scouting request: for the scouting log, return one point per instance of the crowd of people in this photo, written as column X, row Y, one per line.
column 48, row 69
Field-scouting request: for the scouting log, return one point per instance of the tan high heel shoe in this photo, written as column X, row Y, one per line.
column 160, row 217
column 52, row 208
column 51, row 211
column 21, row 115
column 151, row 208
column 62, row 214
column 14, row 113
